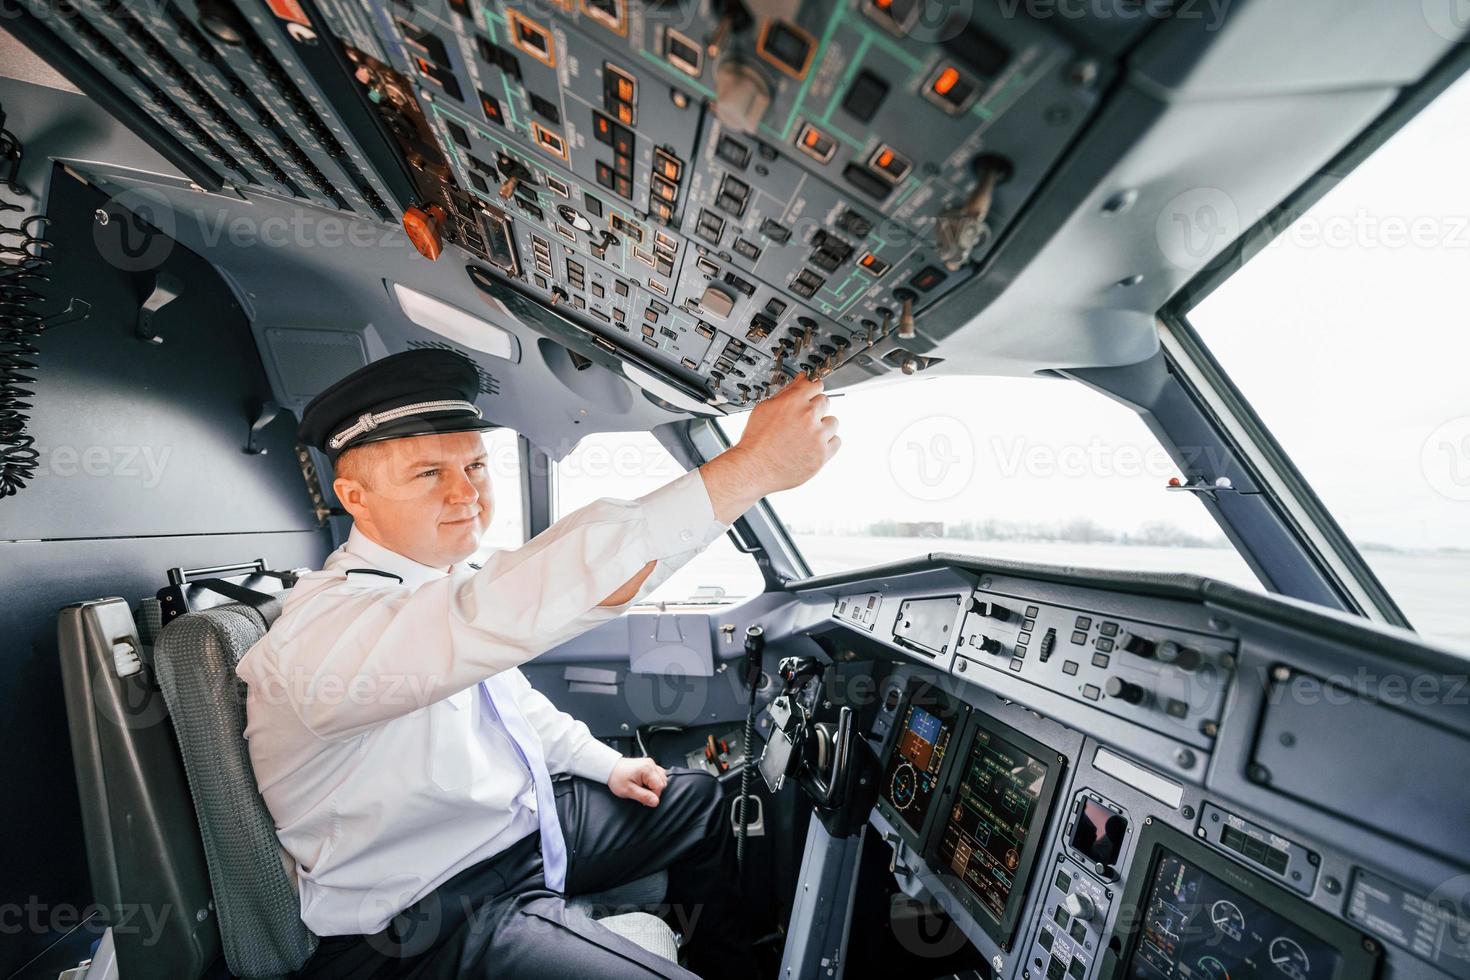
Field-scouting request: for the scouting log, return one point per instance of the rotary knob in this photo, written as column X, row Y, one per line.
column 987, row 644
column 1117, row 687
column 1079, row 906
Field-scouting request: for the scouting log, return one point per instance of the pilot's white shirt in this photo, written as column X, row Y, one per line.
column 365, row 726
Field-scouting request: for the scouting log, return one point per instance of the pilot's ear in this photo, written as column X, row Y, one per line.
column 350, row 494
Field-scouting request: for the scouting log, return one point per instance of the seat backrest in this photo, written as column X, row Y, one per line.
column 147, row 865
column 255, row 897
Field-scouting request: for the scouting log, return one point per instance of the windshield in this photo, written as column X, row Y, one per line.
column 1347, row 335
column 1020, row 468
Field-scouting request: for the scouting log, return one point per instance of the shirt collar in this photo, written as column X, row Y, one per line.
column 363, row 552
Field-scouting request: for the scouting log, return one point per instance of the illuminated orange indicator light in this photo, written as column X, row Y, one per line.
column 946, row 81
column 869, row 260
column 885, row 159
column 813, row 137
column 884, row 4
column 625, row 114
column 625, row 90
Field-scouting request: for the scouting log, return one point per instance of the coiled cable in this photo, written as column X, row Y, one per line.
column 22, row 273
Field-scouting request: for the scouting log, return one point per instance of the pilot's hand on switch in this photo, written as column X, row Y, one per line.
column 638, row 779
column 790, row 436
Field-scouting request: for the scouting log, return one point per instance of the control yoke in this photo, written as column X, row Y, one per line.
column 831, row 763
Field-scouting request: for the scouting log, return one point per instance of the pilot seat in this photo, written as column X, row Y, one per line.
column 172, row 816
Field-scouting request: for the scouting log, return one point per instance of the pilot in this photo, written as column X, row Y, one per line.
column 404, row 757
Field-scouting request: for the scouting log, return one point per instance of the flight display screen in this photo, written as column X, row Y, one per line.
column 913, row 771
column 999, row 806
column 1196, row 927
column 1099, row 832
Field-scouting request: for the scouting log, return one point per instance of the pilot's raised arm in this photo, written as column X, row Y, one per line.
column 401, row 643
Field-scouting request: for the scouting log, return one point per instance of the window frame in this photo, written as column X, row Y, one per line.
column 1298, row 511
column 1313, row 528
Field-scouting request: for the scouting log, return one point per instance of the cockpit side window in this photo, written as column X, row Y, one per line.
column 1346, row 334
column 508, row 519
column 1019, row 468
column 625, row 465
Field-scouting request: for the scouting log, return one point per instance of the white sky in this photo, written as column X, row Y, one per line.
column 970, row 449
column 1352, row 340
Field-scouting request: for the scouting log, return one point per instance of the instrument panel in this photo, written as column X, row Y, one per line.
column 1002, row 801
column 1152, row 858
column 728, row 198
column 737, row 199
column 1200, row 918
column 920, row 759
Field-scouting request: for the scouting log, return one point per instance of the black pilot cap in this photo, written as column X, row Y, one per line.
column 415, row 393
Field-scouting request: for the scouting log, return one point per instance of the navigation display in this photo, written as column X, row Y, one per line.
column 999, row 813
column 917, row 760
column 1196, row 927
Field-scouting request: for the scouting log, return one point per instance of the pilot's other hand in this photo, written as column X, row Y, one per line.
column 790, row 436
column 638, row 779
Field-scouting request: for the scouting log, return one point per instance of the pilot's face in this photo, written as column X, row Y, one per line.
column 425, row 497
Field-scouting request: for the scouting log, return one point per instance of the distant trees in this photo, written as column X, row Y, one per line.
column 1076, row 530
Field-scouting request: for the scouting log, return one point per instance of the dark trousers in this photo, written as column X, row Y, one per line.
column 498, row 919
